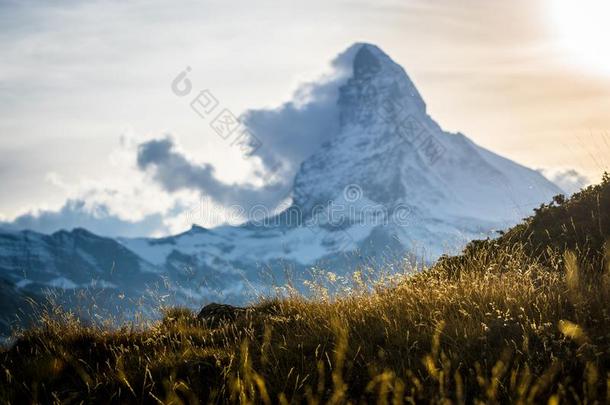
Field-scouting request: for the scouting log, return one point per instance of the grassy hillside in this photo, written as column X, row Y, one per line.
column 523, row 318
column 580, row 224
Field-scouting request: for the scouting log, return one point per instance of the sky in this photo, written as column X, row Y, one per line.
column 86, row 97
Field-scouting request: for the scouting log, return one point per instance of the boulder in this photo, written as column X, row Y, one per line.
column 216, row 314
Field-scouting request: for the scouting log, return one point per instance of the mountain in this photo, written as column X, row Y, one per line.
column 395, row 152
column 389, row 182
column 78, row 270
column 93, row 276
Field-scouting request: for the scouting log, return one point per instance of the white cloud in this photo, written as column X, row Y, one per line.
column 93, row 216
column 569, row 180
column 110, row 205
column 285, row 135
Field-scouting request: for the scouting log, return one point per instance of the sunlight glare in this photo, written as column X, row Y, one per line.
column 583, row 30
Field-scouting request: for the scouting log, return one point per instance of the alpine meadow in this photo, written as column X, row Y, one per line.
column 321, row 202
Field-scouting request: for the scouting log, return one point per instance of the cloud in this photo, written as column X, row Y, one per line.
column 293, row 131
column 569, row 180
column 97, row 218
column 174, row 171
column 287, row 134
column 119, row 202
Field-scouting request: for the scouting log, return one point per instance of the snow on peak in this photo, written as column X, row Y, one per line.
column 377, row 85
column 395, row 152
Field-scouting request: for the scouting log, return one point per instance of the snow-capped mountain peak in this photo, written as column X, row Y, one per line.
column 395, row 153
column 377, row 82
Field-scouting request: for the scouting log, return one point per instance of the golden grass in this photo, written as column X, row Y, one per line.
column 498, row 328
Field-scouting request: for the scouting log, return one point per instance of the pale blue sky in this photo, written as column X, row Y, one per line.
column 82, row 83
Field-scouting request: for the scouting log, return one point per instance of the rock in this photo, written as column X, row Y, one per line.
column 216, row 314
